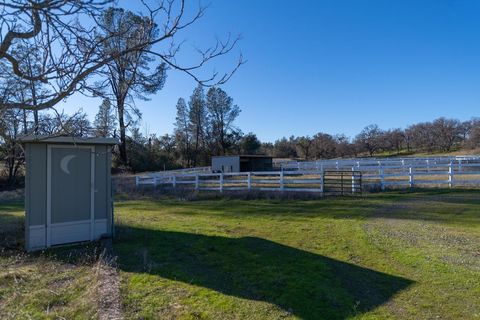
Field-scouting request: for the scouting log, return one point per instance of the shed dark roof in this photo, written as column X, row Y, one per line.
column 67, row 140
column 244, row 156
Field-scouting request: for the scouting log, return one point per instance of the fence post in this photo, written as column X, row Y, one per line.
column 428, row 165
column 322, row 183
column 382, row 178
column 221, row 182
column 174, row 182
column 281, row 182
column 249, row 181
column 137, row 181
column 197, row 182
column 336, row 165
column 353, row 180
column 410, row 177
column 450, row 175
column 459, row 165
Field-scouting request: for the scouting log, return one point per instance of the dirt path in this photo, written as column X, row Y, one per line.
column 109, row 299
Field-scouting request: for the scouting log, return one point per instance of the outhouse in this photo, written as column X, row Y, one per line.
column 68, row 195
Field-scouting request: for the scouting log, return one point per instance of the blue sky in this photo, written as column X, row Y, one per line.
column 333, row 66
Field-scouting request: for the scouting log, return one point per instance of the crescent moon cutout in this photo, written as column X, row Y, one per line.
column 65, row 161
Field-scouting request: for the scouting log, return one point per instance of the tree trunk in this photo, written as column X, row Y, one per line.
column 123, row 139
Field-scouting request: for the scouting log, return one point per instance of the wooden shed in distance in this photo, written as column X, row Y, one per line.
column 242, row 163
column 68, row 195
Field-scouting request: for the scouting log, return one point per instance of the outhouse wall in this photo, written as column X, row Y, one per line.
column 36, row 193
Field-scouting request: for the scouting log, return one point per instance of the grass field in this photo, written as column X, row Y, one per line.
column 390, row 255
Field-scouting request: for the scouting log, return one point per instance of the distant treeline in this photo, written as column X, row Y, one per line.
column 193, row 143
column 440, row 135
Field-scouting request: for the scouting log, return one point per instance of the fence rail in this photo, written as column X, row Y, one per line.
column 297, row 181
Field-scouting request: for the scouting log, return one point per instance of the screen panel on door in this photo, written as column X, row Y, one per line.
column 70, row 194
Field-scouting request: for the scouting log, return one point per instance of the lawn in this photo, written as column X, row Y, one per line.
column 390, row 255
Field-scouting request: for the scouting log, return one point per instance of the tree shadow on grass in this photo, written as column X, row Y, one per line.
column 305, row 284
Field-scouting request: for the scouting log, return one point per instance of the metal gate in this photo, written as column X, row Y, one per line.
column 342, row 182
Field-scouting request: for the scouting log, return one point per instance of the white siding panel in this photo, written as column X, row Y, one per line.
column 69, row 232
column 37, row 237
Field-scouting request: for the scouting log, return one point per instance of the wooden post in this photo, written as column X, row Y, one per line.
column 137, row 181
column 382, row 178
column 174, row 182
column 341, row 185
column 249, row 181
column 353, row 180
column 282, row 182
column 221, row 182
column 450, row 175
column 410, row 177
column 197, row 182
column 322, row 183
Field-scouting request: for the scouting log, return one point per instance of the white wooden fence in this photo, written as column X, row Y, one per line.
column 309, row 176
column 342, row 164
column 298, row 181
column 403, row 172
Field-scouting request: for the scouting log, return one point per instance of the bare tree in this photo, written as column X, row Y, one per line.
column 63, row 33
column 11, row 151
column 369, row 139
column 324, row 146
column 446, row 132
column 393, row 140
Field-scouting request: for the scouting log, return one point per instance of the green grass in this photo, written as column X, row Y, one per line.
column 393, row 255
column 42, row 285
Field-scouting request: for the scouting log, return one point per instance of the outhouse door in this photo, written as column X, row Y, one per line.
column 70, row 194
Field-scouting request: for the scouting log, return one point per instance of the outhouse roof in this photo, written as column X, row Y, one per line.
column 67, row 140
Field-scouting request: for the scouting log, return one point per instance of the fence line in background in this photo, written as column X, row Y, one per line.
column 339, row 164
column 180, row 171
column 348, row 182
column 308, row 176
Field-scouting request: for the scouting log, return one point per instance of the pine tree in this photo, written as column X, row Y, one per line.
column 105, row 122
column 197, row 122
column 222, row 113
column 182, row 131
